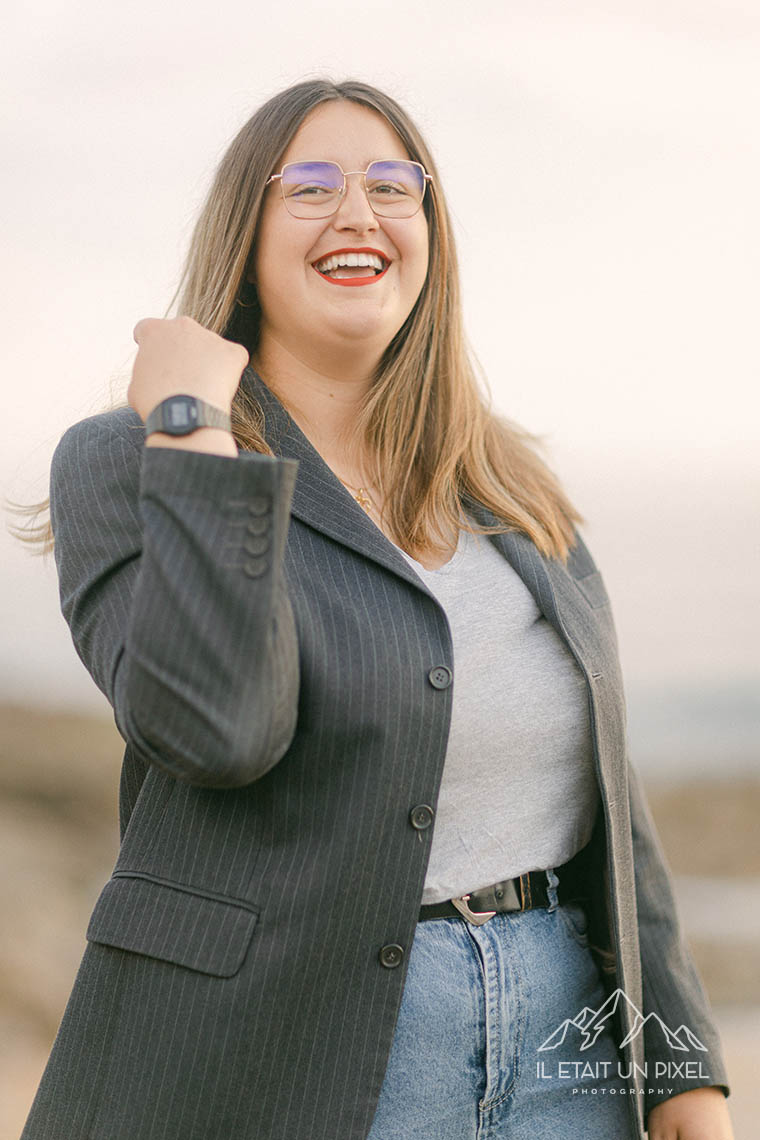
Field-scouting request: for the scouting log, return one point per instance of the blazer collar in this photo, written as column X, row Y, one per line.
column 319, row 497
column 321, row 501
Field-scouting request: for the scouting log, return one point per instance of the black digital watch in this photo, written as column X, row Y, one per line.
column 181, row 415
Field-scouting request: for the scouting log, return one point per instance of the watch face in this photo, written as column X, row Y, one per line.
column 180, row 415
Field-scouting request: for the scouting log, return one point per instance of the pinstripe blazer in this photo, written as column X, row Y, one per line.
column 268, row 655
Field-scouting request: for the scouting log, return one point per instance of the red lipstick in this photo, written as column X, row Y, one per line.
column 352, row 281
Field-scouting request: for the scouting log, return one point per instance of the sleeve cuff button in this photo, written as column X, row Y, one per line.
column 259, row 504
column 255, row 567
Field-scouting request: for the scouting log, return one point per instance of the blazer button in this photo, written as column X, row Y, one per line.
column 440, row 677
column 392, row 955
column 259, row 504
column 257, row 526
column 255, row 567
column 256, row 545
column 421, row 816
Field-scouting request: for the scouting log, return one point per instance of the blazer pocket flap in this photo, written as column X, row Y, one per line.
column 172, row 923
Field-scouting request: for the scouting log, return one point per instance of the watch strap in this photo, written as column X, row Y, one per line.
column 182, row 414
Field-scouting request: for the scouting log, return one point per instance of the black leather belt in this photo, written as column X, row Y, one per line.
column 523, row 893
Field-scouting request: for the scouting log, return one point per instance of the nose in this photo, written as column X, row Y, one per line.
column 355, row 212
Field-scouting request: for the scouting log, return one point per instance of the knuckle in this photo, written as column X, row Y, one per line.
column 239, row 352
column 146, row 327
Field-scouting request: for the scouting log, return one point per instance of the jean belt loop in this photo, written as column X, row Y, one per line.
column 552, row 882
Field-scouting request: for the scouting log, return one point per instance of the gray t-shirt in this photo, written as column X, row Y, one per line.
column 518, row 791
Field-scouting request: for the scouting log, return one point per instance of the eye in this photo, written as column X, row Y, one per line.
column 387, row 189
column 308, row 190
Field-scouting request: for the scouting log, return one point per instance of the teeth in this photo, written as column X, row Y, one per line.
column 370, row 260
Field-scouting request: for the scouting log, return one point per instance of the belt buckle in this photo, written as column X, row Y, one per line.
column 476, row 917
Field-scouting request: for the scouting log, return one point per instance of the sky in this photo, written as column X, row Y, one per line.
column 602, row 166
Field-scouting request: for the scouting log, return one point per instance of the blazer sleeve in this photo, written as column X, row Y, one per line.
column 671, row 986
column 170, row 567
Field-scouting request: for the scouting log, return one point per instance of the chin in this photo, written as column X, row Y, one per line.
column 365, row 332
column 364, row 326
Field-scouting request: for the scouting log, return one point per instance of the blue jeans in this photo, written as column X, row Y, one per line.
column 478, row 1003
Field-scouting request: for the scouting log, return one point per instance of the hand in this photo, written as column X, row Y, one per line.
column 699, row 1114
column 178, row 355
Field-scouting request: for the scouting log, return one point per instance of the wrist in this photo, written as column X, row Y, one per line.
column 692, row 1115
column 213, row 441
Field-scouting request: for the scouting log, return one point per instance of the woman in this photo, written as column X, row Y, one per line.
column 278, row 628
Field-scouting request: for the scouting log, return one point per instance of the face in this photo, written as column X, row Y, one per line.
column 302, row 310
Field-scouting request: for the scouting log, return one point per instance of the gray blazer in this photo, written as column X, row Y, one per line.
column 270, row 659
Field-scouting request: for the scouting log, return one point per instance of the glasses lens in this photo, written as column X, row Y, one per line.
column 395, row 189
column 311, row 189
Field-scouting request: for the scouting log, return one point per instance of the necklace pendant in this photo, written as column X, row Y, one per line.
column 363, row 499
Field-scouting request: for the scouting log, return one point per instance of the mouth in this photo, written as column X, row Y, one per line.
column 352, row 266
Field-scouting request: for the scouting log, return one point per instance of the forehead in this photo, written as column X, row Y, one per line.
column 346, row 133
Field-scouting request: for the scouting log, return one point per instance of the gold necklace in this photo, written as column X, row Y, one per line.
column 362, row 497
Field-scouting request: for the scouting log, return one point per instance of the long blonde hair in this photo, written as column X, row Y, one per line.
column 428, row 429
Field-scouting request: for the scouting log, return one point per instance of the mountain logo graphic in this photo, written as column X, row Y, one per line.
column 587, row 1025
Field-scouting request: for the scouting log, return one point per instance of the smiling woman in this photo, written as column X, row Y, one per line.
column 329, row 228
column 380, row 834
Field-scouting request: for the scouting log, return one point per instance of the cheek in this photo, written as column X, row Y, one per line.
column 417, row 256
column 425, row 261
column 419, row 264
column 282, row 262
column 274, row 275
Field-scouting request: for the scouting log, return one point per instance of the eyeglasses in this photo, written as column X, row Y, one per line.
column 394, row 187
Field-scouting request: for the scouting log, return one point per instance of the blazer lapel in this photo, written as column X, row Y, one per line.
column 524, row 559
column 557, row 596
column 588, row 634
column 319, row 497
column 321, row 501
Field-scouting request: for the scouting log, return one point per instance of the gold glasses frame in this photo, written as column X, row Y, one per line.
column 342, row 192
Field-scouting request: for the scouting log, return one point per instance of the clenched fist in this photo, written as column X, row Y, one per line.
column 179, row 356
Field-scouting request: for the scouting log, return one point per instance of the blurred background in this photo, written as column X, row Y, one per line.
column 602, row 163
